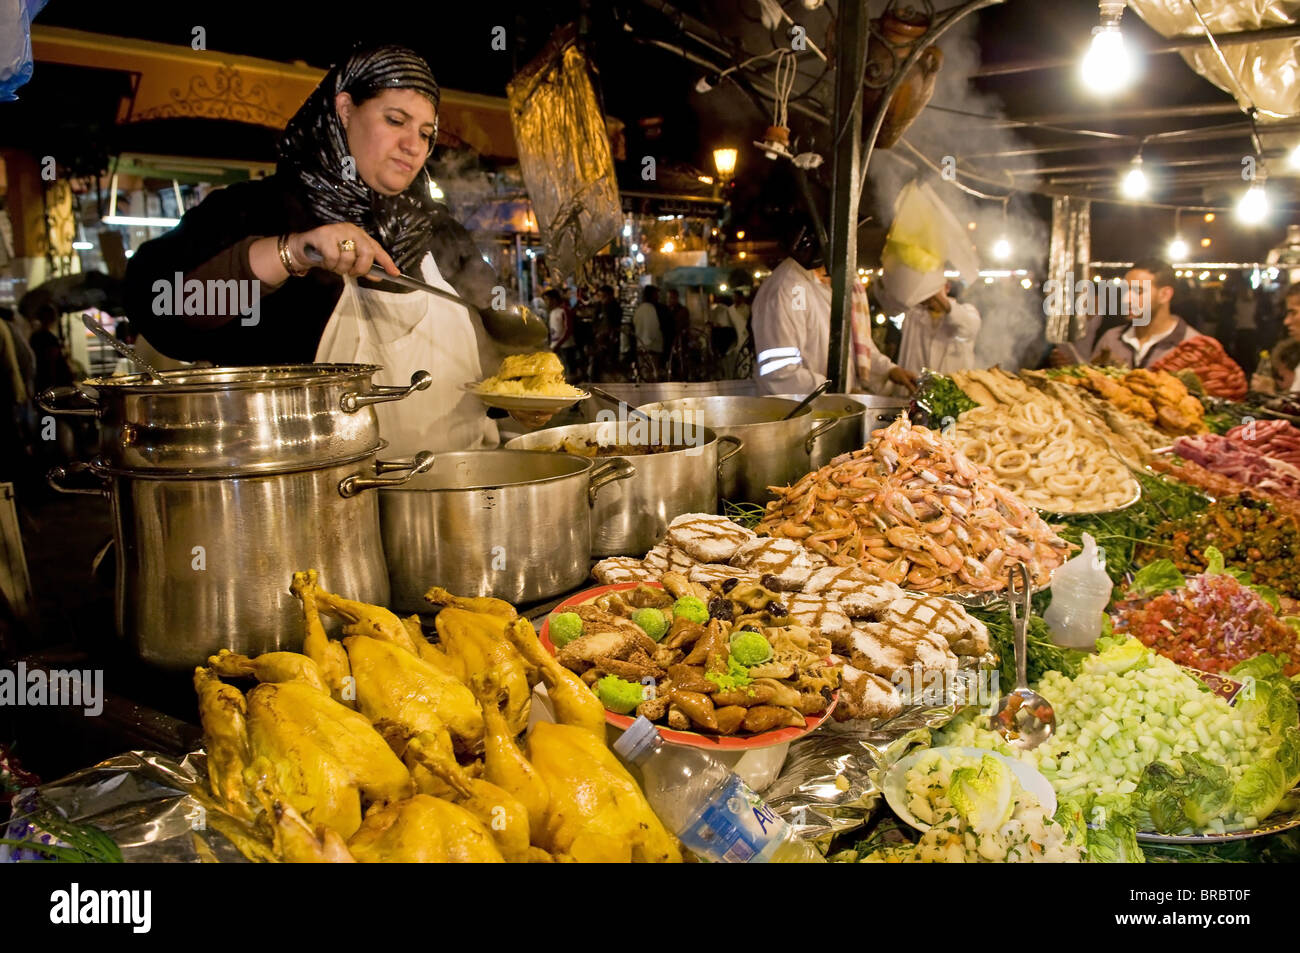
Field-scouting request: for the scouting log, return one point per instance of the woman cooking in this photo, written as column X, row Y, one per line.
column 347, row 189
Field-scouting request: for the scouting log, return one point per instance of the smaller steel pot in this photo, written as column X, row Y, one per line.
column 845, row 437
column 881, row 411
column 514, row 524
column 632, row 516
column 776, row 451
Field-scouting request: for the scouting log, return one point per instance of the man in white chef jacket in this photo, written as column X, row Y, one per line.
column 791, row 324
column 939, row 334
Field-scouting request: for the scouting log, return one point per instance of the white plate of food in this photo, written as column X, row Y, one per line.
column 532, row 403
column 528, row 382
column 894, row 785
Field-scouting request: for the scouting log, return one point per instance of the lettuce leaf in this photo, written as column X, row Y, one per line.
column 1156, row 577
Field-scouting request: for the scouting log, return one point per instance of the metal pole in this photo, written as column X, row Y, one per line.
column 850, row 62
column 850, row 167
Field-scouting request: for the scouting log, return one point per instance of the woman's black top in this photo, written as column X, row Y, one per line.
column 210, row 246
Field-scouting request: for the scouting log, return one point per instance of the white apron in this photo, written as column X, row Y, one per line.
column 405, row 333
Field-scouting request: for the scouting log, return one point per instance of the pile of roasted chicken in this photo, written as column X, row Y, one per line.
column 384, row 746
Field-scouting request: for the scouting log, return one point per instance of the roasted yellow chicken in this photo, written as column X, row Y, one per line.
column 476, row 642
column 595, row 811
column 426, row 765
column 327, row 759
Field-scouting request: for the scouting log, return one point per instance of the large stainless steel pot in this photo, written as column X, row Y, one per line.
column 847, row 434
column 631, row 516
column 776, row 452
column 515, row 524
column 205, row 564
column 228, row 421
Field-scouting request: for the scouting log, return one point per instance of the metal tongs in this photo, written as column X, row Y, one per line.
column 517, row 324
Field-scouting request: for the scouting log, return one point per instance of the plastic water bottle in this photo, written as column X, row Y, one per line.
column 1080, row 593
column 714, row 813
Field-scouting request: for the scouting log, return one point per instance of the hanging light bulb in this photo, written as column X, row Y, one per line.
column 1002, row 249
column 1134, row 185
column 1253, row 206
column 1177, row 250
column 1107, row 67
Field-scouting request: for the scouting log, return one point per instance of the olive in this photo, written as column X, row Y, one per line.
column 720, row 608
column 767, row 581
column 729, row 584
column 775, row 609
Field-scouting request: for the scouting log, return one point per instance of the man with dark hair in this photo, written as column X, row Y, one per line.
column 791, row 325
column 1153, row 330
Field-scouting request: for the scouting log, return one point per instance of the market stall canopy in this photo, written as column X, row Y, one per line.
column 176, row 82
column 1263, row 74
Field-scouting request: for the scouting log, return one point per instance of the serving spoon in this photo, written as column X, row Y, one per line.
column 1023, row 717
column 817, row 392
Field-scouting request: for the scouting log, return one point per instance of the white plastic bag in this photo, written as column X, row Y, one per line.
column 924, row 237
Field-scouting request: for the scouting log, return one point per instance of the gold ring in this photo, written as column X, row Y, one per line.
column 347, row 244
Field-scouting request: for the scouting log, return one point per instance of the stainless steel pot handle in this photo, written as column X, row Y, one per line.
column 817, row 431
column 382, row 393
column 606, row 473
column 737, row 445
column 49, row 399
column 352, row 485
column 55, row 477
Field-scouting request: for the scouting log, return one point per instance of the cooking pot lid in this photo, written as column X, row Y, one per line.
column 190, row 379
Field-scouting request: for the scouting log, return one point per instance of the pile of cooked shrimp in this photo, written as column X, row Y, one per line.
column 911, row 509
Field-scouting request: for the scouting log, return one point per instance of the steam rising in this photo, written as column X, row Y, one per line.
column 1012, row 330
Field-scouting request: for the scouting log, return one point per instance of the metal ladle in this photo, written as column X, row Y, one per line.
column 609, row 398
column 126, row 350
column 1024, row 718
column 817, row 392
column 517, row 324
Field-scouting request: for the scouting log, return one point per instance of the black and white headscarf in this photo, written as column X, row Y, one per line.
column 314, row 150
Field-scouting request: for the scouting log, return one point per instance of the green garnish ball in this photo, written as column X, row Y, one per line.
column 564, row 628
column 618, row 695
column 652, row 621
column 750, row 648
column 691, row 609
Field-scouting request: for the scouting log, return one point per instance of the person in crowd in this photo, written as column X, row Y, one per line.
column 722, row 325
column 939, row 334
column 791, row 325
column 22, row 350
column 648, row 328
column 1286, row 366
column 1153, row 330
column 680, row 315
column 741, row 304
column 560, row 321
column 351, row 190
column 13, row 397
column 609, row 323
column 53, row 369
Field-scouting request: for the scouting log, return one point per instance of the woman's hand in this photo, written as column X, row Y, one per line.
column 532, row 419
column 329, row 240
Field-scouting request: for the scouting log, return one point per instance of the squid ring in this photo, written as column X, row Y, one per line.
column 1011, row 462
